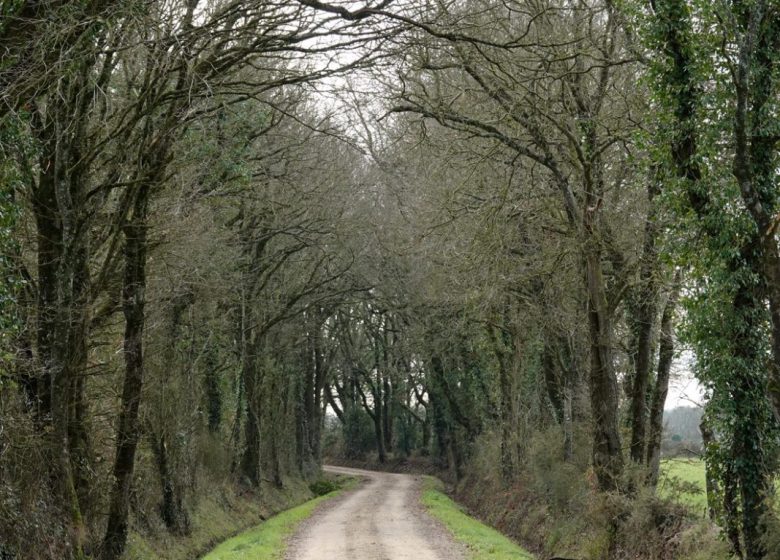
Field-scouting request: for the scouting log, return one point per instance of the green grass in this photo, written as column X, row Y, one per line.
column 218, row 513
column 681, row 478
column 684, row 479
column 268, row 541
column 482, row 542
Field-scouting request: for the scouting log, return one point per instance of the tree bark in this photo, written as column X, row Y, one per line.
column 568, row 426
column 379, row 437
column 62, row 307
column 552, row 382
column 607, row 452
column 320, row 375
column 133, row 303
column 503, row 347
column 171, row 510
column 507, row 424
column 731, row 510
column 645, row 317
column 665, row 356
column 387, row 412
column 377, row 417
column 250, row 460
column 213, row 392
column 49, row 239
column 711, row 483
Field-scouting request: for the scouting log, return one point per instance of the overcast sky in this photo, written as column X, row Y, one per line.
column 684, row 390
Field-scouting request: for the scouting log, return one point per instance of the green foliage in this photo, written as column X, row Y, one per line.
column 324, row 486
column 357, row 432
column 726, row 321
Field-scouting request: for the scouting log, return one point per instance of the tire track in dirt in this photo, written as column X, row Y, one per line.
column 380, row 520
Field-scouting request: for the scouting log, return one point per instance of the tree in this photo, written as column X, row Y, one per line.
column 732, row 358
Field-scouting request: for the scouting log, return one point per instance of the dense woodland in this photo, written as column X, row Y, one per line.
column 239, row 234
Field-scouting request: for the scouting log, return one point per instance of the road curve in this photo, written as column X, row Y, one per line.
column 380, row 520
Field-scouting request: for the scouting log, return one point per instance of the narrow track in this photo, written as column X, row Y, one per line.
column 380, row 520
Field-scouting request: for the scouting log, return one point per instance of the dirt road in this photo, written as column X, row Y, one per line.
column 380, row 520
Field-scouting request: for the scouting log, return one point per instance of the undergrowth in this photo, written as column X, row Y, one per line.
column 554, row 509
column 222, row 511
column 482, row 542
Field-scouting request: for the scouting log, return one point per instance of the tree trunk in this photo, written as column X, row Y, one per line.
column 213, row 392
column 440, row 426
column 171, row 509
column 749, row 445
column 387, row 412
column 507, row 435
column 317, row 409
column 250, row 461
column 377, row 417
column 503, row 349
column 62, row 315
column 665, row 356
column 426, row 433
column 78, row 438
column 235, row 432
column 731, row 510
column 607, row 453
column 310, row 381
column 568, row 426
column 552, row 382
column 275, row 409
column 49, row 240
column 645, row 319
column 133, row 301
column 711, row 483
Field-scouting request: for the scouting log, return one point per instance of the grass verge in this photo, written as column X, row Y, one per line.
column 268, row 541
column 482, row 542
column 221, row 509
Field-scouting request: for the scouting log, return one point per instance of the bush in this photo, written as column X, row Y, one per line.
column 553, row 508
column 324, row 486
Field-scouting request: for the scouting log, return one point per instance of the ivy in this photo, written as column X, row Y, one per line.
column 726, row 322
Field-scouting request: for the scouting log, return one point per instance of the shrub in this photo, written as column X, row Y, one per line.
column 324, row 486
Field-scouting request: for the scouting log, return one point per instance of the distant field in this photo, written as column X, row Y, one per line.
column 685, row 480
column 682, row 477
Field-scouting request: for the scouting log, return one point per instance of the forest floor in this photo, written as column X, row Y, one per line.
column 382, row 519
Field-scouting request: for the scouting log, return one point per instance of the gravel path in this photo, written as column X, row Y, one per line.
column 382, row 519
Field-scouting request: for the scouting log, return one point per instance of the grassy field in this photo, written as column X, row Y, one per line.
column 267, row 541
column 483, row 542
column 684, row 479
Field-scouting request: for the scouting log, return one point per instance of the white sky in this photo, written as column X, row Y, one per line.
column 684, row 389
